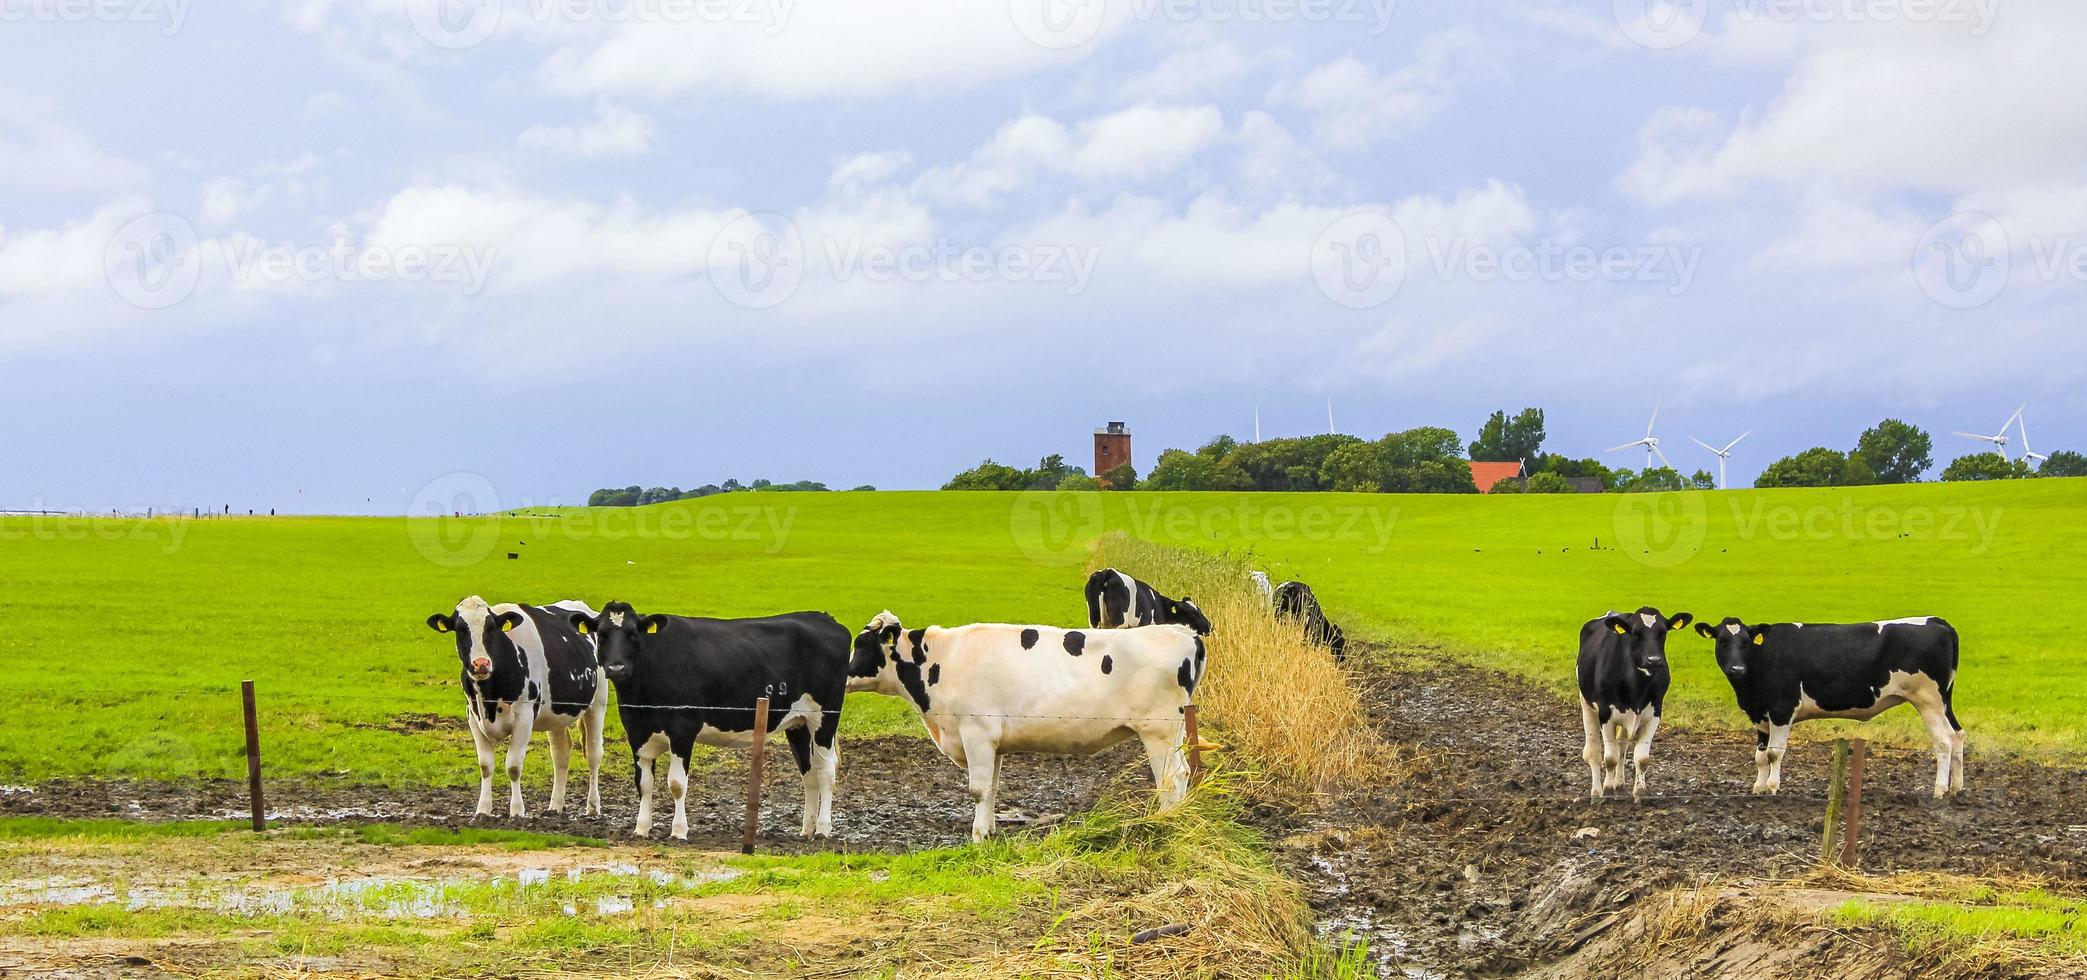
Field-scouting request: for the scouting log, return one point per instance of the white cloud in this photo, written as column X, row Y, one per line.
column 857, row 172
column 537, row 240
column 1128, row 145
column 1188, row 73
column 613, row 132
column 65, row 258
column 38, row 152
column 1353, row 105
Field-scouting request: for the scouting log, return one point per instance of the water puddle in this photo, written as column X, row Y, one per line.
column 604, row 890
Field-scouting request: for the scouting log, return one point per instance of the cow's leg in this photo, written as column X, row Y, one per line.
column 801, row 748
column 1956, row 742
column 590, row 734
column 1778, row 744
column 518, row 749
column 981, row 762
column 488, row 753
column 561, row 763
column 1591, row 725
column 826, row 762
column 1611, row 754
column 1760, row 759
column 1163, row 751
column 677, row 784
column 1945, row 737
column 645, row 755
column 1648, row 726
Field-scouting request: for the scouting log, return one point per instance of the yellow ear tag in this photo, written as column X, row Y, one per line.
column 582, row 627
column 651, row 628
column 1760, row 638
column 1620, row 630
column 507, row 626
column 441, row 627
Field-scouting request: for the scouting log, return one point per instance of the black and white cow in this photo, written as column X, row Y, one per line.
column 682, row 680
column 1784, row 673
column 526, row 669
column 1294, row 600
column 990, row 689
column 1623, row 688
column 1117, row 601
column 1262, row 587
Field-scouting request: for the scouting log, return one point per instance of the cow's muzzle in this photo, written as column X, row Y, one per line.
column 481, row 670
column 1736, row 671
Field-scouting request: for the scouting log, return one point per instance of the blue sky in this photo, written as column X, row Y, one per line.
column 318, row 255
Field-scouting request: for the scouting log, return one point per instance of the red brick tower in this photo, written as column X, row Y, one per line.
column 1111, row 448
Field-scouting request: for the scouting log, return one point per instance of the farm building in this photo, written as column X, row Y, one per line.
column 1487, row 474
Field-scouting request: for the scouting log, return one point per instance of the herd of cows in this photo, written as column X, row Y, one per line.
column 987, row 690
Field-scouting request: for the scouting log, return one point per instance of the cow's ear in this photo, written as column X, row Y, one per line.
column 652, row 624
column 509, row 620
column 1680, row 621
column 1614, row 621
column 1706, row 631
column 583, row 622
column 439, row 623
column 1760, row 632
column 891, row 633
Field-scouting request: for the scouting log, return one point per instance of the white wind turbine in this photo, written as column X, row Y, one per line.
column 2027, row 453
column 1999, row 440
column 1650, row 442
column 1722, row 454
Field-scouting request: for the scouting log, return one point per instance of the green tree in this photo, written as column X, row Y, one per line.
column 1078, row 481
column 1178, row 470
column 1702, row 480
column 1217, row 449
column 865, row 487
column 1049, row 472
column 2064, row 462
column 1985, row 466
column 1358, row 467
column 1549, row 483
column 1286, row 464
column 1553, row 463
column 1816, row 467
column 1120, row 477
column 1897, row 452
column 1512, row 484
column 1510, row 440
column 1659, row 479
column 985, row 476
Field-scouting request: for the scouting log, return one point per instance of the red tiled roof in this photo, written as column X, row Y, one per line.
column 1487, row 474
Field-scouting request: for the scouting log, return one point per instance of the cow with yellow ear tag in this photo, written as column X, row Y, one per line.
column 1623, row 689
column 526, row 668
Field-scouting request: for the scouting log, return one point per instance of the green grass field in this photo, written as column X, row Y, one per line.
column 128, row 639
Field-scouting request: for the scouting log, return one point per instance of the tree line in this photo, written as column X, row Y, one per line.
column 636, row 496
column 1431, row 459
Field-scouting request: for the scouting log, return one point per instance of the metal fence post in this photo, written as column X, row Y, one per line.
column 753, row 779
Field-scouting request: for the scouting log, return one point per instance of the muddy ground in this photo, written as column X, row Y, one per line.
column 893, row 794
column 1490, row 860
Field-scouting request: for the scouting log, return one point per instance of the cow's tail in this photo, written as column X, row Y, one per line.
column 1095, row 584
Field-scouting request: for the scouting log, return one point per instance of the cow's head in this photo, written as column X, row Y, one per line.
column 1644, row 635
column 619, row 638
column 1736, row 643
column 874, row 665
column 482, row 642
column 1188, row 614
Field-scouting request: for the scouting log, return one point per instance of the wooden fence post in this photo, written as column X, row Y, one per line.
column 753, row 779
column 253, row 756
column 1194, row 743
column 1836, row 791
column 1851, row 831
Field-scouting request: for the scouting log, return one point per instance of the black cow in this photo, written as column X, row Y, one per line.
column 1784, row 673
column 681, row 680
column 1294, row 600
column 527, row 670
column 1623, row 688
column 1117, row 601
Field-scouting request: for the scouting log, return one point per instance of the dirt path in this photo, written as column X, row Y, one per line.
column 894, row 794
column 1490, row 859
